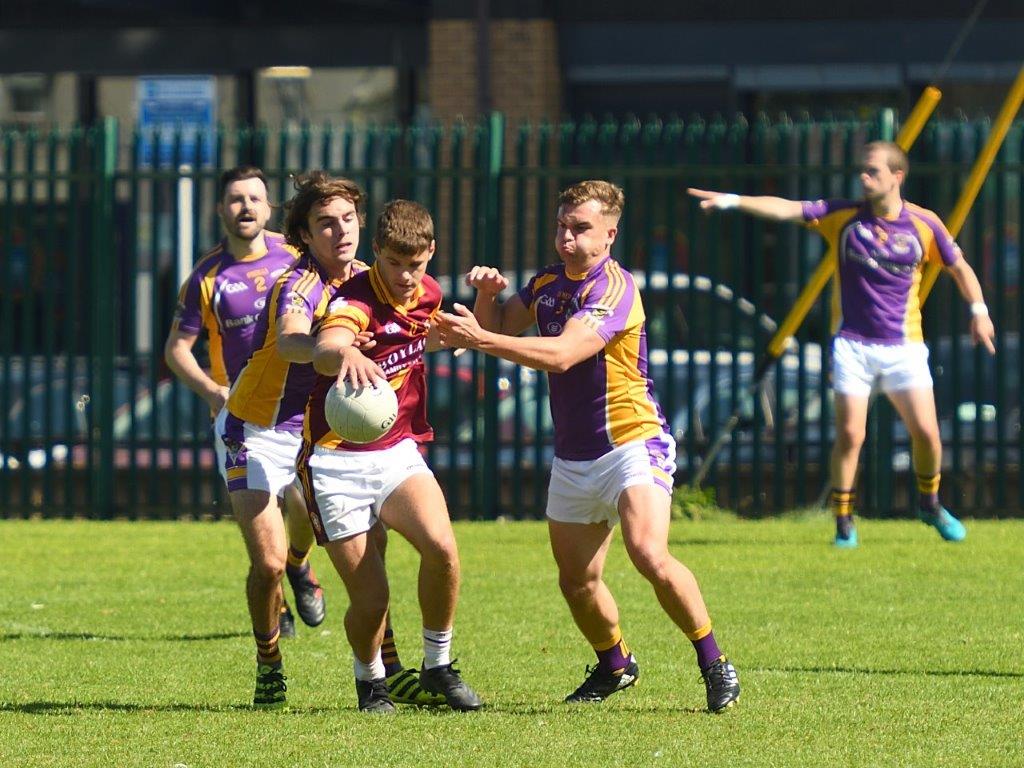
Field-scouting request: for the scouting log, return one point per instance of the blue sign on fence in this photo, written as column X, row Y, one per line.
column 170, row 104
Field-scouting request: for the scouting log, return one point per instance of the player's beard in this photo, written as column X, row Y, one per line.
column 244, row 230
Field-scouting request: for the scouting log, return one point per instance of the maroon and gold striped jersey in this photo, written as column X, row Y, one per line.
column 364, row 303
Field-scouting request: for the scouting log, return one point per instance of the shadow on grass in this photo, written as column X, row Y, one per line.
column 121, row 638
column 76, row 707
column 683, row 541
column 889, row 672
column 581, row 710
column 557, row 709
column 698, row 541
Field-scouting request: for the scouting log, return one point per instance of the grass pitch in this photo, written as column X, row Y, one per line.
column 127, row 644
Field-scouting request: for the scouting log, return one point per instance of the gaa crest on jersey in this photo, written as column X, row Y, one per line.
column 391, row 328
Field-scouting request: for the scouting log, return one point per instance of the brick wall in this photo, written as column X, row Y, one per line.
column 525, row 86
column 525, row 79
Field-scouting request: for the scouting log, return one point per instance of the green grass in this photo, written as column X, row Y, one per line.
column 126, row 644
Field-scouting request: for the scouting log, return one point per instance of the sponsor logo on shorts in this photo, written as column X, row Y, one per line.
column 234, row 449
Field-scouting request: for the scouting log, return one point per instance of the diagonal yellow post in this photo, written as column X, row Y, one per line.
column 978, row 173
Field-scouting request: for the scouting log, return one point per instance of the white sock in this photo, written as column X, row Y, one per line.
column 367, row 672
column 437, row 648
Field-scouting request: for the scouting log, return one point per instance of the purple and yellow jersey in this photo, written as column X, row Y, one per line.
column 881, row 262
column 270, row 391
column 608, row 399
column 225, row 296
column 364, row 303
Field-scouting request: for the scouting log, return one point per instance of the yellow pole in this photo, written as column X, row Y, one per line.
column 918, row 117
column 825, row 269
column 978, row 173
column 821, row 275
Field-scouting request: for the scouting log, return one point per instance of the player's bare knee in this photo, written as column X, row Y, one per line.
column 925, row 435
column 441, row 557
column 370, row 604
column 439, row 547
column 849, row 437
column 653, row 563
column 268, row 569
column 578, row 588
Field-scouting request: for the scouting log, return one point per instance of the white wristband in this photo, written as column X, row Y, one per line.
column 978, row 309
column 727, row 201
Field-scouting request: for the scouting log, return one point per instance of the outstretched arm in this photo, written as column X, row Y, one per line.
column 982, row 330
column 296, row 345
column 554, row 354
column 762, row 206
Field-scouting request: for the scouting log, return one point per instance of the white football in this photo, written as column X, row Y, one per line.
column 361, row 415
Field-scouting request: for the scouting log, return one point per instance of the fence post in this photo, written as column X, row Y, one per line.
column 104, row 322
column 490, row 488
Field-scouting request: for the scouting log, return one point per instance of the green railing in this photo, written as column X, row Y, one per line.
column 94, row 243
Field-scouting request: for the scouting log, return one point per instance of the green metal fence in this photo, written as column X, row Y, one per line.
column 94, row 243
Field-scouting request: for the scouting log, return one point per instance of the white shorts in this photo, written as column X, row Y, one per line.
column 588, row 491
column 859, row 368
column 345, row 490
column 254, row 458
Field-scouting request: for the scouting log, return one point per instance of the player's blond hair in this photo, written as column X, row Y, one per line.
column 404, row 227
column 610, row 196
column 895, row 157
column 318, row 188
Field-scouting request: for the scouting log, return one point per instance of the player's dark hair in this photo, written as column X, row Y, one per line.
column 404, row 227
column 240, row 173
column 610, row 196
column 318, row 188
column 896, row 158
